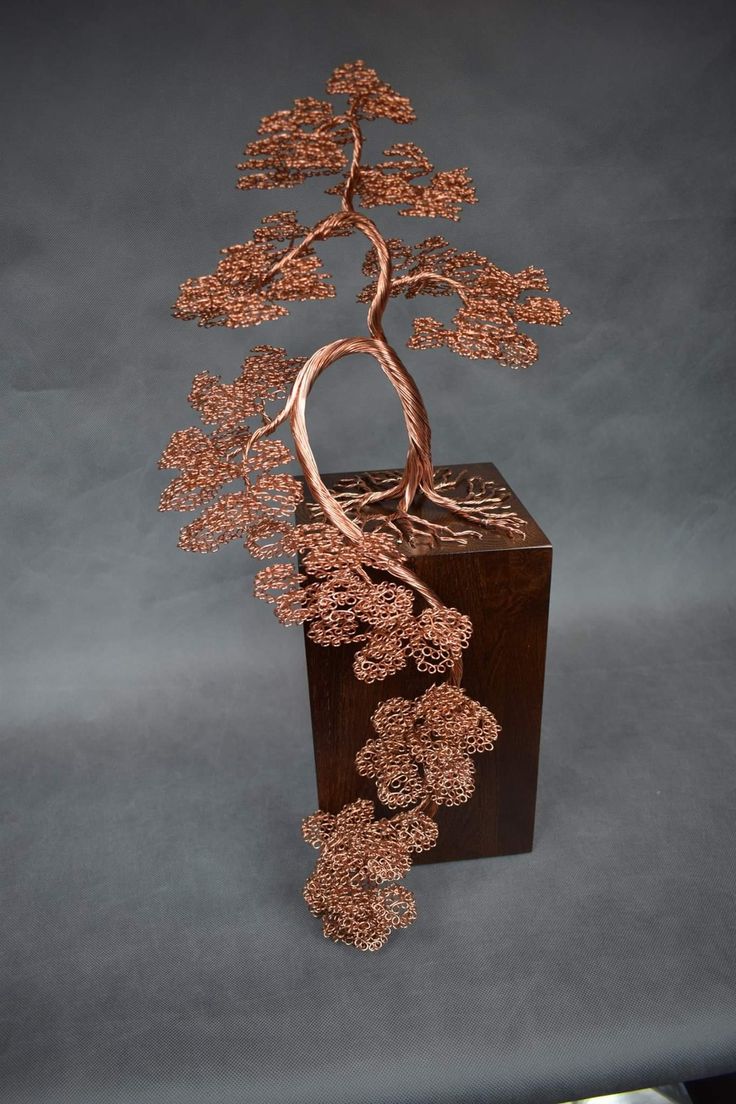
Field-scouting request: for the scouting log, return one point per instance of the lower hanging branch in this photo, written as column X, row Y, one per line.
column 353, row 888
column 337, row 598
column 422, row 754
column 421, row 757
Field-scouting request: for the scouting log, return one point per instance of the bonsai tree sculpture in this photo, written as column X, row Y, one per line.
column 354, row 586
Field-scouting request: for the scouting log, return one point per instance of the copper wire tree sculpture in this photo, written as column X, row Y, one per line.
column 354, row 586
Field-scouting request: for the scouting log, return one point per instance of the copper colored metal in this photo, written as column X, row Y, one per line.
column 424, row 747
column 353, row 886
column 364, row 498
column 343, row 604
column 355, row 586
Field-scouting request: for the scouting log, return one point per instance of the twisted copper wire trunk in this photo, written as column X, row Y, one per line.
column 418, row 471
column 418, row 474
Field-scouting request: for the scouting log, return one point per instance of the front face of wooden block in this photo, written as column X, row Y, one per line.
column 503, row 586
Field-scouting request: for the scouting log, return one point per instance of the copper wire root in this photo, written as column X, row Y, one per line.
column 365, row 498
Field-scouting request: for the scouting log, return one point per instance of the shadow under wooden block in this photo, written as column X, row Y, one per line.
column 503, row 586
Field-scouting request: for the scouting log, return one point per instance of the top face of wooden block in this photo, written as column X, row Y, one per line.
column 487, row 540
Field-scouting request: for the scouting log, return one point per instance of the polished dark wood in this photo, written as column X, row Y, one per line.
column 713, row 1090
column 503, row 585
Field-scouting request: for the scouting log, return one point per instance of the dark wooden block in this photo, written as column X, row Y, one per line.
column 503, row 585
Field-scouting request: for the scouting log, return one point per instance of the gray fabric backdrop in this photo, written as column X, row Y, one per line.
column 156, row 752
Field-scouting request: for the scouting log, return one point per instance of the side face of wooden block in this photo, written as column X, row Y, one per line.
column 503, row 586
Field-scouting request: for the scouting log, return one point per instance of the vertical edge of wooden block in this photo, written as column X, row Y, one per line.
column 518, row 781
